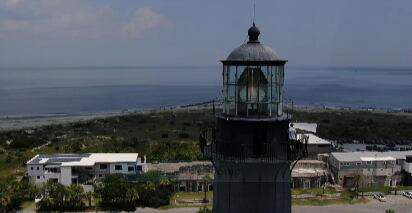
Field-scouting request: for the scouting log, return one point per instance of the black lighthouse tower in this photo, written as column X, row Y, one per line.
column 249, row 146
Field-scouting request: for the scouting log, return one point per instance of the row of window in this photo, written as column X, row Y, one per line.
column 367, row 163
column 32, row 168
column 104, row 167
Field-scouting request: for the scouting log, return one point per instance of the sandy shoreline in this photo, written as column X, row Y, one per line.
column 7, row 124
column 18, row 123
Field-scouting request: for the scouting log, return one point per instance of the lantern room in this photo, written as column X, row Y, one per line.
column 253, row 76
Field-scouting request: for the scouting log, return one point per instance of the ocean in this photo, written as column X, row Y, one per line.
column 49, row 91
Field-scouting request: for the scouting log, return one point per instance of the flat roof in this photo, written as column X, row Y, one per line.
column 310, row 127
column 104, row 158
column 88, row 159
column 313, row 139
column 370, row 156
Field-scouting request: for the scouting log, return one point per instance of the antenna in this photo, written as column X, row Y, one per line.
column 254, row 10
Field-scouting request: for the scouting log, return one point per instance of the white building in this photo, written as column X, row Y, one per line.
column 315, row 145
column 376, row 168
column 82, row 168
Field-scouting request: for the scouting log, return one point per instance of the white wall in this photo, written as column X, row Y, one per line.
column 38, row 171
column 407, row 166
column 124, row 168
column 66, row 175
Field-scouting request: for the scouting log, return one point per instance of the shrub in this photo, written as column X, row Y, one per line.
column 183, row 135
column 204, row 209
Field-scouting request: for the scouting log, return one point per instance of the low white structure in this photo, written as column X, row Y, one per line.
column 308, row 127
column 315, row 145
column 377, row 168
column 82, row 168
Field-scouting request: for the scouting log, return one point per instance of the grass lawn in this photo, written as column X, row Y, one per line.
column 189, row 196
column 386, row 189
column 28, row 206
column 344, row 199
column 314, row 191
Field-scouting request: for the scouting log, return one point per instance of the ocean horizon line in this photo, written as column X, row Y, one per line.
column 395, row 67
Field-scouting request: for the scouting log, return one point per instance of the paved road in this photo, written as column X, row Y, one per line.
column 398, row 203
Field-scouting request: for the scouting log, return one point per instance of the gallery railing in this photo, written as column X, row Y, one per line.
column 212, row 149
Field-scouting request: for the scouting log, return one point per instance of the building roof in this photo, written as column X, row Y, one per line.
column 370, row 156
column 313, row 139
column 253, row 50
column 83, row 159
column 309, row 127
column 56, row 158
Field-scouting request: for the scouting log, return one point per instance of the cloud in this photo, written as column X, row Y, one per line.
column 12, row 25
column 11, row 4
column 143, row 21
column 75, row 18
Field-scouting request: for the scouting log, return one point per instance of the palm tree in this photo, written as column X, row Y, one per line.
column 89, row 196
column 206, row 179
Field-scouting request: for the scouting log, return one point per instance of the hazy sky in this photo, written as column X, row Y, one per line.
column 202, row 32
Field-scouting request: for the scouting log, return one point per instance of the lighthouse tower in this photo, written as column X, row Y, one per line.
column 250, row 146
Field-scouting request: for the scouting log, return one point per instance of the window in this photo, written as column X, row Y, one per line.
column 103, row 166
column 100, row 175
column 38, row 177
column 139, row 168
column 31, row 168
column 37, row 168
column 368, row 162
column 358, row 163
column 384, row 162
column 397, row 161
column 130, row 168
column 118, row 167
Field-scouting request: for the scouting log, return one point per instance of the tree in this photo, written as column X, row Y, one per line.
column 89, row 196
column 74, row 198
column 206, row 180
column 116, row 193
column 155, row 190
column 57, row 197
column 12, row 193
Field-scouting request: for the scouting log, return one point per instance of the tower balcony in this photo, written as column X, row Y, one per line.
column 213, row 149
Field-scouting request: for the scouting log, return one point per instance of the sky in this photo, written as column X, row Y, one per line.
column 200, row 32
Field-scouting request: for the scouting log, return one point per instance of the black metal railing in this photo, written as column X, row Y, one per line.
column 212, row 149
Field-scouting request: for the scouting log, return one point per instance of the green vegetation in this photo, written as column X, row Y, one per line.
column 56, row 197
column 314, row 191
column 345, row 198
column 180, row 199
column 204, row 209
column 363, row 126
column 385, row 189
column 116, row 193
column 169, row 137
column 156, row 191
column 13, row 194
